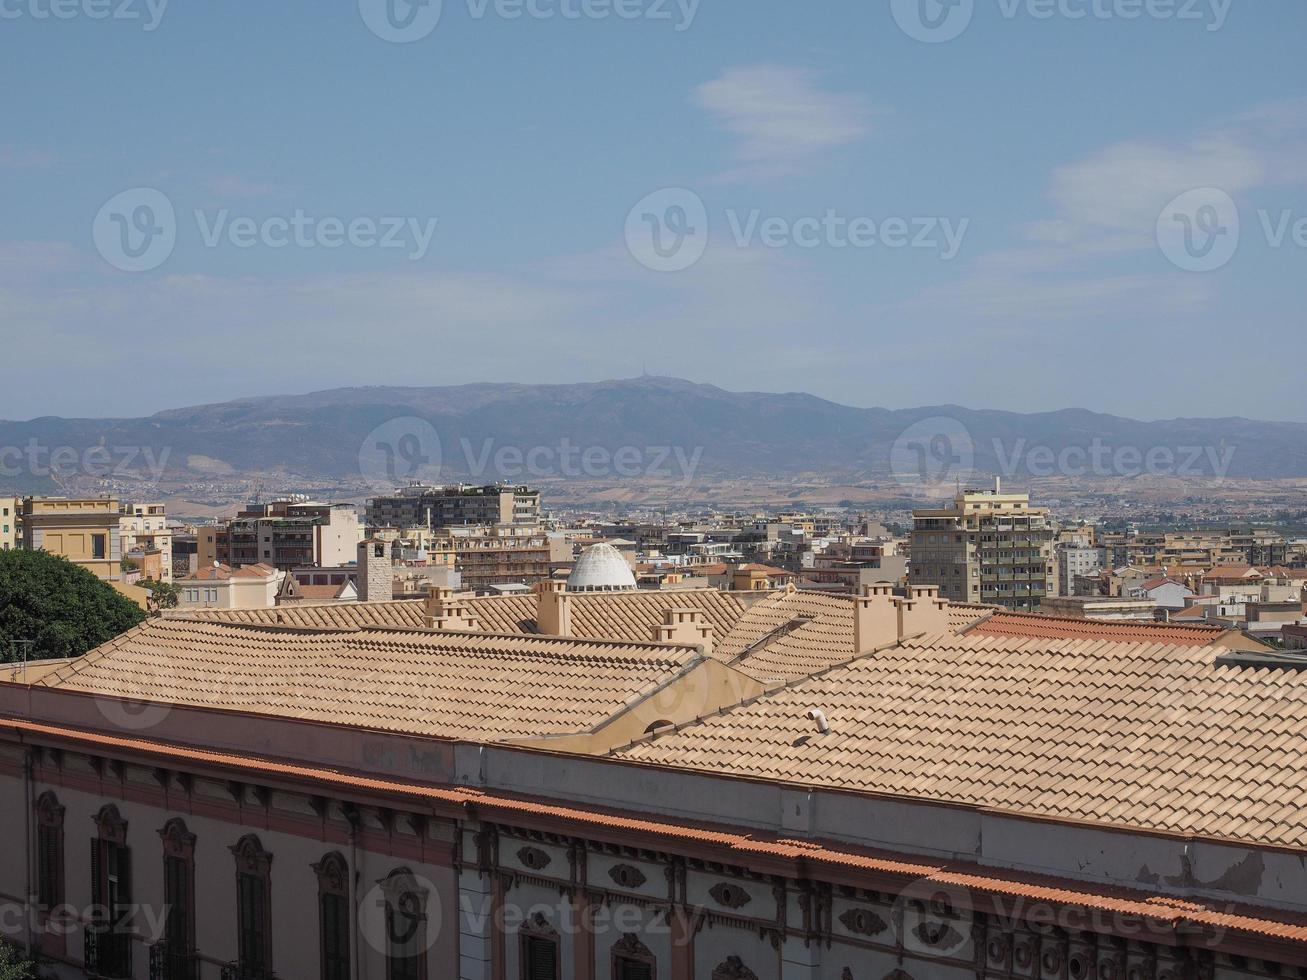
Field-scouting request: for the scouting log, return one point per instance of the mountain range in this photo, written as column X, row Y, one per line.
column 523, row 432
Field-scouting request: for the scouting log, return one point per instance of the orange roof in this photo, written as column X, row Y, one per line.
column 1057, row 627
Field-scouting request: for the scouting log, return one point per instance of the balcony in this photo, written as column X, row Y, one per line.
column 173, row 963
column 107, row 952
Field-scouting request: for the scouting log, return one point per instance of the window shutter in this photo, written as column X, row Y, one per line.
column 634, row 970
column 125, row 875
column 97, row 871
column 541, row 959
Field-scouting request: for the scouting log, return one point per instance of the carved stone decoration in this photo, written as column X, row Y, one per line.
column 863, row 922
column 111, row 825
column 178, row 842
column 729, row 895
column 939, row 935
column 534, row 858
column 626, row 876
column 333, row 874
column 733, row 969
column 846, row 974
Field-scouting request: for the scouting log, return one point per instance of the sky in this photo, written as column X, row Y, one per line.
column 1009, row 204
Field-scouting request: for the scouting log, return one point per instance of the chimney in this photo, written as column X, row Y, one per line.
column 445, row 611
column 923, row 612
column 687, row 627
column 553, row 608
column 875, row 621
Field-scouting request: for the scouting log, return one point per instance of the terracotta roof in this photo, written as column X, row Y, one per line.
column 467, row 685
column 964, row 614
column 1115, row 630
column 809, row 857
column 790, row 634
column 1231, row 573
column 1152, row 736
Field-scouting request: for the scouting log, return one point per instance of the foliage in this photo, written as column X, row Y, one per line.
column 61, row 607
column 163, row 595
column 13, row 965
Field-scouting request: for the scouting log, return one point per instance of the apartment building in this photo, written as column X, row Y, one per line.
column 283, row 534
column 454, row 506
column 9, row 510
column 144, row 528
column 986, row 546
column 85, row 531
column 505, row 554
column 224, row 587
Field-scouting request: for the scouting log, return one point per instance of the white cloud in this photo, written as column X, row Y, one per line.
column 782, row 118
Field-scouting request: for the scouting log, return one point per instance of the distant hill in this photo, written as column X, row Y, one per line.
column 511, row 431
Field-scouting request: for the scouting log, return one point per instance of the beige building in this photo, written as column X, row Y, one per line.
column 988, row 547
column 224, row 587
column 84, row 531
column 144, row 527
column 10, row 507
column 454, row 506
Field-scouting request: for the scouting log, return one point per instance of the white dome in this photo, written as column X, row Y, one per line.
column 601, row 568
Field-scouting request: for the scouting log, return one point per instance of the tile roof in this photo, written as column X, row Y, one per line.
column 1127, row 631
column 450, row 685
column 1152, row 736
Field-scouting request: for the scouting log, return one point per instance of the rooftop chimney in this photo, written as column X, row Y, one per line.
column 443, row 610
column 553, row 608
column 875, row 619
column 923, row 612
column 688, row 627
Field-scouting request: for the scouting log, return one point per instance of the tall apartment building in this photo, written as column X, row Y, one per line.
column 283, row 534
column 9, row 510
column 505, row 554
column 85, row 531
column 144, row 527
column 987, row 546
column 454, row 506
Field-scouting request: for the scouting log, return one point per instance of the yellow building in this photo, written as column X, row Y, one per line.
column 9, row 510
column 85, row 531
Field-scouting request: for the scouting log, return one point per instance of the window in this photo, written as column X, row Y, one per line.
column 539, row 950
column 253, row 907
column 98, row 546
column 406, row 926
column 333, row 916
column 49, row 853
column 176, row 952
column 109, row 934
column 632, row 960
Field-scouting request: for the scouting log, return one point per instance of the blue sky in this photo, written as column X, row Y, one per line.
column 1008, row 184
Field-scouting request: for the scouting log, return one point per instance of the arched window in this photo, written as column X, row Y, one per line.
column 253, row 907
column 333, row 916
column 109, row 934
column 406, row 926
column 632, row 960
column 175, row 956
column 539, row 950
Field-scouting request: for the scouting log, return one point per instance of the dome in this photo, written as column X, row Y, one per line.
column 601, row 568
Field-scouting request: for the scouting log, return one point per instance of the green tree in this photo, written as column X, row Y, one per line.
column 163, row 595
column 62, row 608
column 13, row 965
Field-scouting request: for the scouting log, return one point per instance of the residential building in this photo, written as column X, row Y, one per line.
column 85, row 531
column 1099, row 607
column 987, row 546
column 144, row 528
column 1075, row 561
column 1164, row 592
column 286, row 535
column 454, row 506
column 224, row 587
column 504, row 554
column 637, row 785
column 10, row 508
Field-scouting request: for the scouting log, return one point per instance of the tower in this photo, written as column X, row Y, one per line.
column 376, row 571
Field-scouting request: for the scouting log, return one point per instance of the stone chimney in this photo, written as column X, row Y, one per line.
column 376, row 571
column 553, row 608
column 923, row 612
column 446, row 611
column 875, row 618
column 687, row 627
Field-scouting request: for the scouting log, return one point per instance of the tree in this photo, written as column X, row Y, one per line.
column 163, row 595
column 62, row 608
column 13, row 965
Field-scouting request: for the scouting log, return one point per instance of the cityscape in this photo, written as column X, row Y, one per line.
column 653, row 490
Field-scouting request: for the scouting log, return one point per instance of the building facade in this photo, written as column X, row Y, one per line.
column 10, row 509
column 454, row 506
column 85, row 531
column 986, row 547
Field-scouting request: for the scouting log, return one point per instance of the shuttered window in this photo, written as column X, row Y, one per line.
column 49, row 872
column 540, row 959
column 334, row 915
column 253, row 914
column 627, row 969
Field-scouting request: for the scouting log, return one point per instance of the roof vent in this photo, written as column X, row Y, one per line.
column 819, row 716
